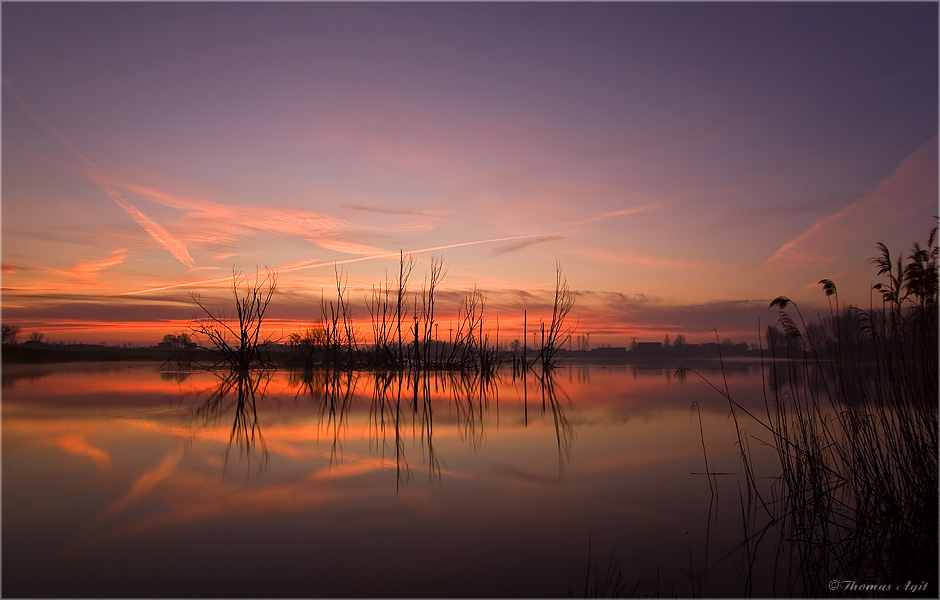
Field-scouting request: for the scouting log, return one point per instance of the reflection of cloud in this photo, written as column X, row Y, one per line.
column 146, row 482
column 77, row 444
column 519, row 474
column 140, row 488
column 911, row 188
column 195, row 496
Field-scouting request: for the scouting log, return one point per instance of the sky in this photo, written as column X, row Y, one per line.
column 684, row 163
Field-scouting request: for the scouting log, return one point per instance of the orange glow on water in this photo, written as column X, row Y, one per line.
column 176, row 457
column 78, row 445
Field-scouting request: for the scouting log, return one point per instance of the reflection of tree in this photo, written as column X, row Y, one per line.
column 427, row 426
column 177, row 376
column 564, row 430
column 471, row 395
column 402, row 405
column 238, row 393
column 403, row 401
column 332, row 390
column 386, row 413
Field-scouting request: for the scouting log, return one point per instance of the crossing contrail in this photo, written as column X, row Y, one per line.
column 154, row 229
column 346, row 261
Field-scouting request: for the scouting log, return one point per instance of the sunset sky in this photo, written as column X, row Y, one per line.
column 685, row 163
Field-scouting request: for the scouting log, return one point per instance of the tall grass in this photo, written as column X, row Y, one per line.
column 851, row 411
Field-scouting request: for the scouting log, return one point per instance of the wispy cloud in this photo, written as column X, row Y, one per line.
column 303, row 265
column 520, row 245
column 623, row 212
column 656, row 204
column 645, row 260
column 389, row 210
column 911, row 188
column 154, row 229
column 45, row 284
column 215, row 223
column 91, row 269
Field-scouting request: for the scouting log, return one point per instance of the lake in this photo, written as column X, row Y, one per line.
column 123, row 480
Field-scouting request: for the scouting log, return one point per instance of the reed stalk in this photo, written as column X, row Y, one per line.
column 851, row 411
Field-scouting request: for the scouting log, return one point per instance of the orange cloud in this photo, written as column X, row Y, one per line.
column 210, row 222
column 91, row 269
column 156, row 231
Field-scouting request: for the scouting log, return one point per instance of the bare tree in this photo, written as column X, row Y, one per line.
column 435, row 275
column 37, row 336
column 179, row 341
column 559, row 332
column 10, row 333
column 342, row 338
column 238, row 340
column 379, row 311
column 306, row 343
column 405, row 266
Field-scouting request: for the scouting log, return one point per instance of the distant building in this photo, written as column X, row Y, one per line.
column 609, row 351
column 649, row 347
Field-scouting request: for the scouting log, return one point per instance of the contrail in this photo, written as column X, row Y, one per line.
column 347, row 261
column 419, row 251
column 156, row 231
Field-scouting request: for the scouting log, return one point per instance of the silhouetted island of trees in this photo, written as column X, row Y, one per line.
column 300, row 353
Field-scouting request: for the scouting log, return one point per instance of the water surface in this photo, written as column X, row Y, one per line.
column 122, row 480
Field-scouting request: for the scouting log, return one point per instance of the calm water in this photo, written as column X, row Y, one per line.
column 121, row 480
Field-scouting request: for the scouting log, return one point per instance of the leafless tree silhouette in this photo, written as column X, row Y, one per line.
column 559, row 331
column 10, row 333
column 238, row 341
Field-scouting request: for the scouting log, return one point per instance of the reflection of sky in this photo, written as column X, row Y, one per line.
column 155, row 490
column 685, row 162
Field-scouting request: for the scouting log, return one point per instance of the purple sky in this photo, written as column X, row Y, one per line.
column 686, row 163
